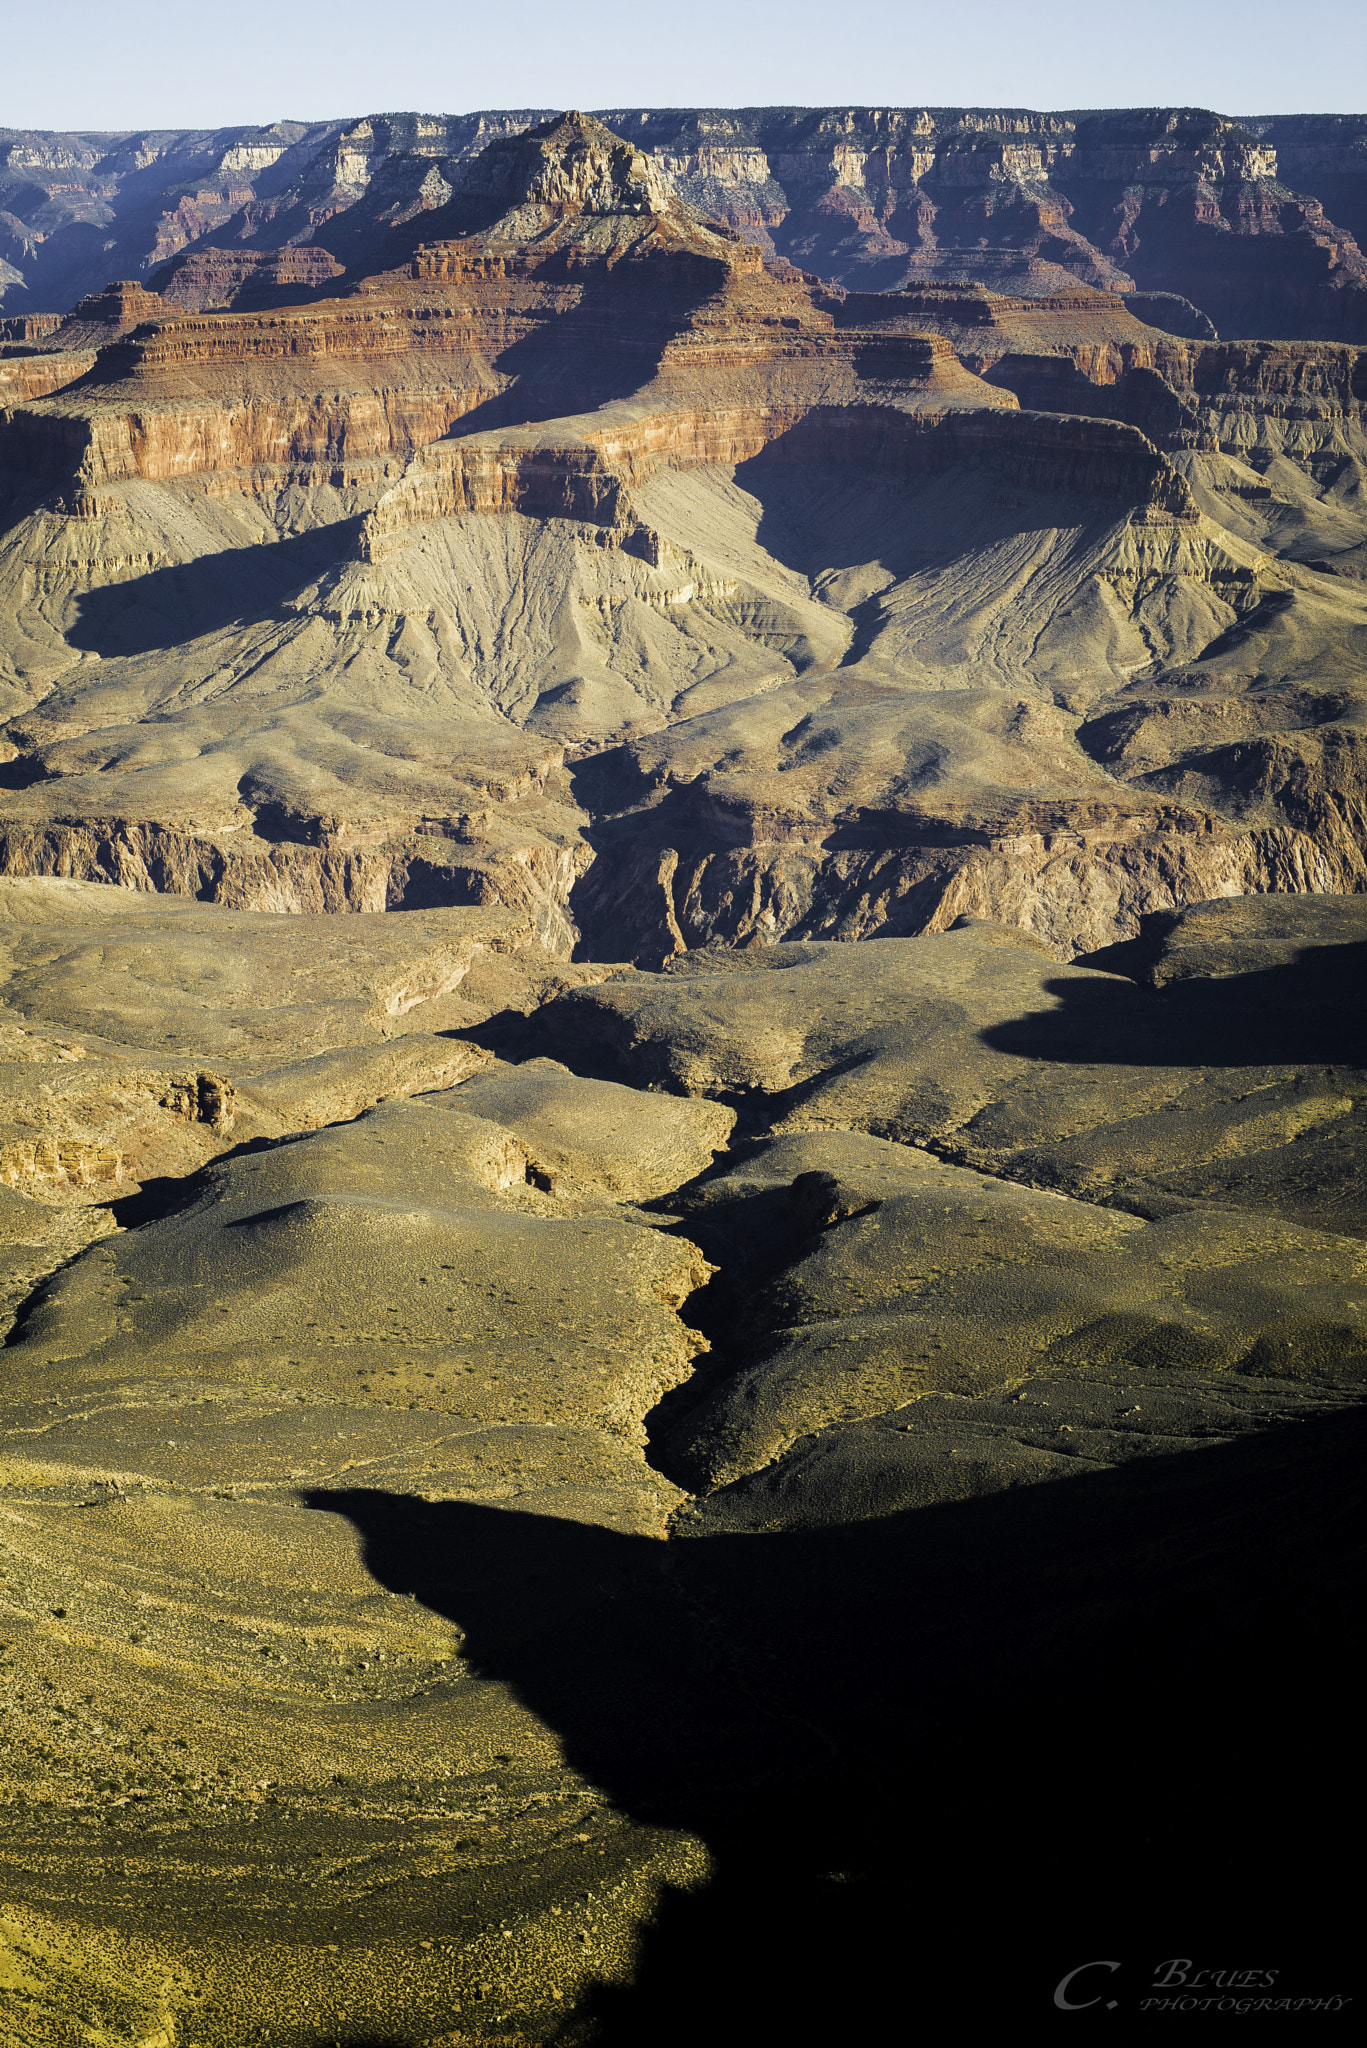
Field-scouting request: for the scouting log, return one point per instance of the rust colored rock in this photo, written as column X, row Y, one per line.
column 103, row 316
column 204, row 278
column 29, row 328
column 577, row 473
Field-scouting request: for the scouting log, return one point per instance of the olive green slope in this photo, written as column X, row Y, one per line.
column 532, row 1554
column 275, row 1756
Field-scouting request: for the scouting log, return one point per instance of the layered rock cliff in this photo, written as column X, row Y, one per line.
column 584, row 562
column 205, row 279
column 1254, row 221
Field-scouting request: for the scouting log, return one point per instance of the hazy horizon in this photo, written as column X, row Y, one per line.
column 149, row 66
column 377, row 111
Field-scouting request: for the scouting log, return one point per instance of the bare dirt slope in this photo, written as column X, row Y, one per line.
column 924, row 1280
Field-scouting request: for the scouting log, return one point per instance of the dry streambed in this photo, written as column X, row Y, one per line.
column 352, row 1692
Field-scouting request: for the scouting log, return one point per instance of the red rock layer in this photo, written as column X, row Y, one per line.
column 30, row 327
column 104, row 316
column 209, row 279
column 24, row 377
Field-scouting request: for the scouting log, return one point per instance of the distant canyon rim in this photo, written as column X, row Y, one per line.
column 683, row 903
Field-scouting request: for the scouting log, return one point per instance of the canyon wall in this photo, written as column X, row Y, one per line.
column 1255, row 222
column 592, row 560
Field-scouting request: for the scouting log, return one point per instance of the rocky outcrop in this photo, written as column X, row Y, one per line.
column 85, row 443
column 1089, row 353
column 571, row 165
column 103, row 316
column 588, row 480
column 874, row 609
column 1254, row 222
column 1324, row 154
column 1076, row 884
column 533, row 882
column 205, row 279
column 29, row 329
column 24, row 377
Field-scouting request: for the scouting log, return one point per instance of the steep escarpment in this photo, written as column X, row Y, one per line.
column 580, row 562
column 32, row 374
column 1254, row 221
column 590, row 479
column 204, row 278
column 1323, row 154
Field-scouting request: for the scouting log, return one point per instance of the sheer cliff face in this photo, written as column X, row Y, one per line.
column 1255, row 221
column 1181, row 202
column 580, row 561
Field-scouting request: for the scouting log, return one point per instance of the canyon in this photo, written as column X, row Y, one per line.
column 1101, row 528
column 1256, row 220
column 683, row 883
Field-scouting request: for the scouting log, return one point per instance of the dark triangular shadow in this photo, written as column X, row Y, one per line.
column 186, row 600
column 1310, row 1012
column 949, row 1755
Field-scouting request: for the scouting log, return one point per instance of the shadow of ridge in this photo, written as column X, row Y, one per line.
column 165, row 1195
column 1116, row 1709
column 162, row 1196
column 1308, row 1011
column 187, row 600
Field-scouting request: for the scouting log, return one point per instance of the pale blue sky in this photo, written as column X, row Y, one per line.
column 146, row 63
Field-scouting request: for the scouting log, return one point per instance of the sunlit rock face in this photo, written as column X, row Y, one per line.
column 860, row 601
